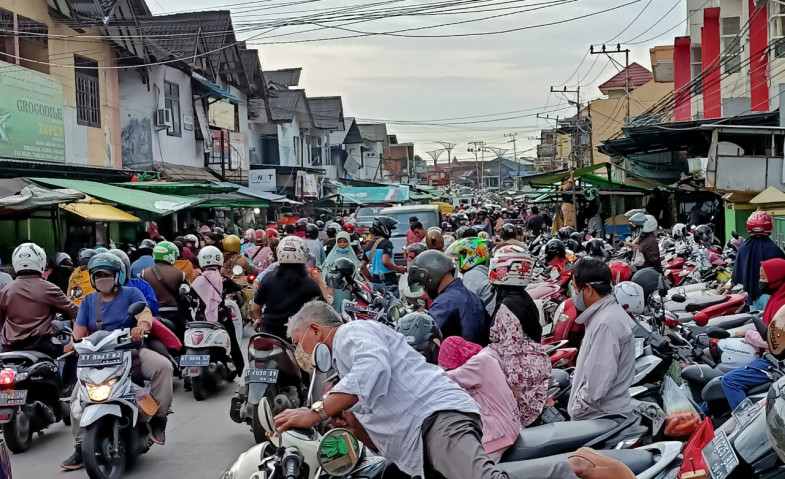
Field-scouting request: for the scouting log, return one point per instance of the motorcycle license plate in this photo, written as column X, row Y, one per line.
column 92, row 360
column 720, row 457
column 13, row 398
column 269, row 376
column 194, row 360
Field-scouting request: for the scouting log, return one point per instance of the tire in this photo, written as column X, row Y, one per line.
column 18, row 432
column 95, row 444
column 259, row 433
column 199, row 388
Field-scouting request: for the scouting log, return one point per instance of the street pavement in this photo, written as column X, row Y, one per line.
column 201, row 441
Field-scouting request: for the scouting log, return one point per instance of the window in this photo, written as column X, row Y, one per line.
column 270, row 154
column 696, row 64
column 777, row 28
column 172, row 102
column 730, row 43
column 297, row 150
column 88, row 99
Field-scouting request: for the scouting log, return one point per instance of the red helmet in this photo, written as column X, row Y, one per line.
column 349, row 228
column 620, row 272
column 272, row 233
column 759, row 223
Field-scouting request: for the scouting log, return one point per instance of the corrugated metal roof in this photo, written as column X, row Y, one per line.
column 283, row 104
column 327, row 112
column 287, row 77
column 184, row 173
column 373, row 131
column 638, row 76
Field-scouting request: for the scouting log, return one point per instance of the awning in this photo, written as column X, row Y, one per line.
column 194, row 174
column 181, row 188
column 554, row 178
column 231, row 200
column 33, row 197
column 601, row 182
column 375, row 194
column 96, row 211
column 145, row 201
column 262, row 195
column 206, row 88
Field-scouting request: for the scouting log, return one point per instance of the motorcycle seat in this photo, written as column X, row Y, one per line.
column 684, row 317
column 556, row 438
column 562, row 378
column 713, row 390
column 203, row 324
column 730, row 321
column 169, row 325
column 703, row 302
column 31, row 356
column 700, row 374
column 637, row 460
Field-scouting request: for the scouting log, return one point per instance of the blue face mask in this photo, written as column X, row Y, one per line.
column 342, row 250
column 577, row 300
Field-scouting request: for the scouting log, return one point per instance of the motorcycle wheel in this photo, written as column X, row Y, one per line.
column 18, row 432
column 96, row 447
column 199, row 388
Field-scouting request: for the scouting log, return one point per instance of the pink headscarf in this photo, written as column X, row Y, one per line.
column 209, row 287
column 455, row 351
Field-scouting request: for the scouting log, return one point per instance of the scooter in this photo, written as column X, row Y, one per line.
column 207, row 361
column 115, row 433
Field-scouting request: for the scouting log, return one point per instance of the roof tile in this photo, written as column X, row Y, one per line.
column 638, row 76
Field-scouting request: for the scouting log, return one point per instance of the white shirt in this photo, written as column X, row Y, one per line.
column 397, row 390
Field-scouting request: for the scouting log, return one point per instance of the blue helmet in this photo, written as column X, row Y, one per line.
column 107, row 263
column 100, row 249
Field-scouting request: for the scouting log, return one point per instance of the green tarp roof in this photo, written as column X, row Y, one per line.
column 558, row 177
column 182, row 188
column 136, row 200
column 601, row 182
column 231, row 200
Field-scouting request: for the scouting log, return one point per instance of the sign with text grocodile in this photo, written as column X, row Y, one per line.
column 262, row 180
column 31, row 115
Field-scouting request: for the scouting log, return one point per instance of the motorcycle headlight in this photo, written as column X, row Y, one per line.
column 100, row 392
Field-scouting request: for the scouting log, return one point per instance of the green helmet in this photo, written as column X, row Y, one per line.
column 166, row 251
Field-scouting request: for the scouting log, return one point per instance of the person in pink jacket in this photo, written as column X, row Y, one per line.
column 479, row 371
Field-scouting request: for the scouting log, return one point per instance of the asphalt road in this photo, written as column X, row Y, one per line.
column 201, row 441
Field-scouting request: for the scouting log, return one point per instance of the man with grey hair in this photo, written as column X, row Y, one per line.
column 413, row 413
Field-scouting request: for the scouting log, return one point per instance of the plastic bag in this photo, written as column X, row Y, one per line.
column 640, row 260
column 693, row 459
column 681, row 417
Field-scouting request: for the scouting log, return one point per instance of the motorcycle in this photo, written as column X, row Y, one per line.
column 115, row 433
column 207, row 361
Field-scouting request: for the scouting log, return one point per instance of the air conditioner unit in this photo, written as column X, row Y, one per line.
column 163, row 118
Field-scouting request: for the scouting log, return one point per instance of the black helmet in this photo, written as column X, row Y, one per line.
column 648, row 279
column 573, row 245
column 413, row 250
column 84, row 256
column 554, row 248
column 341, row 273
column 596, row 249
column 422, row 333
column 509, row 231
column 383, row 226
column 427, row 271
column 320, row 224
column 577, row 237
column 482, row 212
column 704, row 234
column 301, row 224
column 565, row 232
column 147, row 243
column 445, row 226
column 331, row 231
column 311, row 231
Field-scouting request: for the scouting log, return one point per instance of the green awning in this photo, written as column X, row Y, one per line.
column 181, row 188
column 135, row 200
column 559, row 177
column 603, row 183
column 206, row 88
column 375, row 194
column 231, row 200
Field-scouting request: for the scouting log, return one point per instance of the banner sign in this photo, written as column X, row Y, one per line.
column 376, row 194
column 31, row 115
column 262, row 180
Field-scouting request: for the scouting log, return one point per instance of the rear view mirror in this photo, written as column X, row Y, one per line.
column 237, row 270
column 185, row 289
column 717, row 333
column 265, row 413
column 323, row 357
column 663, row 290
column 136, row 308
column 339, row 452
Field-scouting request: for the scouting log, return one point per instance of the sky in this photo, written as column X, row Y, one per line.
column 468, row 84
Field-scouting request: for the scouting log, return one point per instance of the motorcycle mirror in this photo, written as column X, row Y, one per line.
column 761, row 327
column 717, row 333
column 678, row 298
column 266, row 417
column 237, row 270
column 663, row 290
column 323, row 357
column 185, row 289
column 136, row 308
column 339, row 452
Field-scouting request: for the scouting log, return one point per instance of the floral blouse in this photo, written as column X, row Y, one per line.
column 525, row 363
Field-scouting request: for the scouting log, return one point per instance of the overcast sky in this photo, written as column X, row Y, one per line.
column 393, row 78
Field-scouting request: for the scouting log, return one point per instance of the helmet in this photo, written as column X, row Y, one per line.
column 621, row 271
column 320, row 224
column 484, row 235
column 422, row 333
column 572, row 245
column 191, row 239
column 231, row 244
column 292, row 250
column 428, row 270
column 509, row 231
column 434, row 240
column 301, row 224
column 60, row 257
column 147, row 243
column 554, row 248
column 106, row 263
column 630, row 296
column 448, row 241
column 29, row 257
column 469, row 252
column 331, row 230
column 647, row 223
column 436, row 229
column 84, row 256
column 311, row 231
column 210, row 256
column 248, row 235
column 260, row 236
column 101, row 249
column 445, row 226
column 565, row 232
column 596, row 248
column 413, row 250
column 383, row 226
column 775, row 417
column 272, row 233
column 349, row 228
column 679, row 231
column 704, row 234
column 511, row 266
column 341, row 273
column 126, row 264
column 577, row 237
column 167, row 251
column 648, row 279
column 759, row 223
column 482, row 212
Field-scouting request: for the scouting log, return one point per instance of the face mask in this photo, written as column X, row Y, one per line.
column 343, row 250
column 577, row 300
column 104, row 285
column 765, row 288
column 304, row 360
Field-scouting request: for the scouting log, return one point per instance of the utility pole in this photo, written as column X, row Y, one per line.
column 514, row 151
column 617, row 51
column 499, row 152
column 477, row 147
column 575, row 142
column 448, row 147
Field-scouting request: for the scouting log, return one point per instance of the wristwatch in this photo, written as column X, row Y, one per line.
column 318, row 406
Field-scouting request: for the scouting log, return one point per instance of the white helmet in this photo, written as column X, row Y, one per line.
column 292, row 250
column 647, row 223
column 630, row 296
column 679, row 231
column 448, row 241
column 29, row 257
column 210, row 256
column 511, row 266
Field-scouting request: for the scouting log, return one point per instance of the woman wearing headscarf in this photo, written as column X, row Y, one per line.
column 516, row 332
column 737, row 382
column 261, row 254
column 342, row 249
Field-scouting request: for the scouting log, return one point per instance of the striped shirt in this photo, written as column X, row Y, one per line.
column 396, row 388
